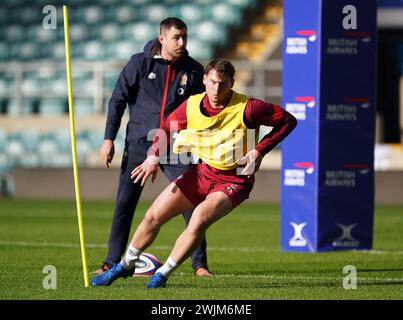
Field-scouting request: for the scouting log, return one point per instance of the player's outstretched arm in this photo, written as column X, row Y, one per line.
column 147, row 168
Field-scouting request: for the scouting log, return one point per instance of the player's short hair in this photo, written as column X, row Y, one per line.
column 170, row 22
column 222, row 66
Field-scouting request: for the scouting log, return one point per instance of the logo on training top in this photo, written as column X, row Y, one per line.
column 184, row 80
column 152, row 76
column 296, row 177
column 298, row 107
column 298, row 240
column 347, row 176
column 299, row 43
column 182, row 84
column 347, row 110
column 346, row 238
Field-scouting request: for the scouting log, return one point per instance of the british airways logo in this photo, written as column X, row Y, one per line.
column 298, row 107
column 298, row 44
column 310, row 34
column 296, row 176
column 347, row 109
column 363, row 36
column 348, row 44
column 347, row 175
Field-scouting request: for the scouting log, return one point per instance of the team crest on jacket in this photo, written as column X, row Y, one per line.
column 152, row 76
column 184, row 80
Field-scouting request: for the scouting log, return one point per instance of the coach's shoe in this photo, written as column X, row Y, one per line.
column 157, row 281
column 106, row 278
column 105, row 266
column 202, row 272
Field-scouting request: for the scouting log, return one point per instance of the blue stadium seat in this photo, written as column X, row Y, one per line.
column 155, row 12
column 93, row 50
column 109, row 32
column 3, row 140
column 123, row 50
column 55, row 51
column 83, row 146
column 5, row 163
column 30, row 160
column 242, row 3
column 226, row 14
column 15, row 149
column 83, row 107
column 110, row 79
column 30, row 139
column 15, row 33
column 30, row 85
column 29, row 14
column 122, row 14
column 96, row 138
column 190, row 13
column 27, row 107
column 4, row 85
column 26, row 51
column 62, row 136
column 140, row 31
column 4, row 56
column 89, row 15
column 48, row 145
column 200, row 50
column 83, row 82
column 52, row 107
column 209, row 31
column 78, row 32
column 4, row 19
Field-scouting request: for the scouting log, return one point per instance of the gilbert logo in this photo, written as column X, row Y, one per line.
column 297, row 240
column 346, row 239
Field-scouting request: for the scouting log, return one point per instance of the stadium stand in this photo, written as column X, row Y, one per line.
column 103, row 35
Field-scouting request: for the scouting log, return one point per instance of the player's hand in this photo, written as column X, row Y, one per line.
column 252, row 161
column 147, row 168
column 107, row 152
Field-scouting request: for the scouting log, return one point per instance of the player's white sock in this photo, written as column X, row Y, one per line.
column 132, row 254
column 168, row 267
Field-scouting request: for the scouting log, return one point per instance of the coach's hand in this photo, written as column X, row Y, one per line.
column 252, row 161
column 107, row 152
column 147, row 168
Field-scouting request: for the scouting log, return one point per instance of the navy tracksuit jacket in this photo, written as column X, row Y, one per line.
column 151, row 88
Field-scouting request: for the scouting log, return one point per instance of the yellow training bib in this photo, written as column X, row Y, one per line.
column 219, row 140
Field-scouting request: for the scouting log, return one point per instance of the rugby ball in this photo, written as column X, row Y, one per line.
column 146, row 265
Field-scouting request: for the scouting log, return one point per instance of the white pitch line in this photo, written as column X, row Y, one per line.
column 211, row 248
column 94, row 246
column 262, row 276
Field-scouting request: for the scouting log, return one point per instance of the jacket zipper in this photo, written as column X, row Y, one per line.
column 164, row 98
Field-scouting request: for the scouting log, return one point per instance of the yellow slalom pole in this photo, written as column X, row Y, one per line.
column 73, row 145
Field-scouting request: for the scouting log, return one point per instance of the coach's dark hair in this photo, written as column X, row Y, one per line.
column 222, row 66
column 170, row 22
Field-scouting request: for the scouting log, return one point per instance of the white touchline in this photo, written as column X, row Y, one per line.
column 101, row 245
column 94, row 246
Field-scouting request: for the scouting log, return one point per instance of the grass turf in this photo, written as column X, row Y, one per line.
column 243, row 252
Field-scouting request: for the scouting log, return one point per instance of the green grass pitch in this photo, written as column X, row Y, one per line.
column 243, row 251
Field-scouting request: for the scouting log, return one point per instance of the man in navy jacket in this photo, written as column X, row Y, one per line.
column 153, row 84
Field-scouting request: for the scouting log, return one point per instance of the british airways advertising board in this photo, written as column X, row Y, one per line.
column 327, row 195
